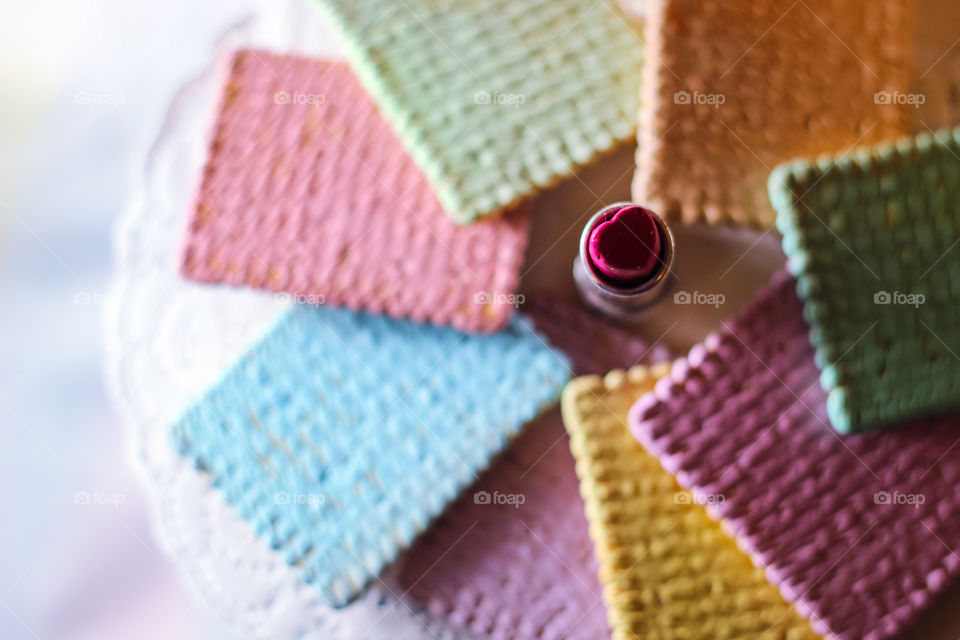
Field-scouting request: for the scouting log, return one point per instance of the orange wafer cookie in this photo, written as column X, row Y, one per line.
column 733, row 88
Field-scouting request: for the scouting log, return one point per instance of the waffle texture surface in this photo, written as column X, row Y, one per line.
column 780, row 79
column 511, row 559
column 870, row 236
column 496, row 100
column 307, row 191
column 860, row 531
column 936, row 67
column 668, row 570
column 340, row 435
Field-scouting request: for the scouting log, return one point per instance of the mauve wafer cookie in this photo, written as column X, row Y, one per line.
column 860, row 531
column 511, row 558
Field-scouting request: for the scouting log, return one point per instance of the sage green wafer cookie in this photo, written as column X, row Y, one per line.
column 872, row 236
column 496, row 99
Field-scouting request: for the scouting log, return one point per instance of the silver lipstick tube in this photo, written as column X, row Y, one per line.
column 622, row 304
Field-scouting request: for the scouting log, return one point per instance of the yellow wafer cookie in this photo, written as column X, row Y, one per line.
column 668, row 570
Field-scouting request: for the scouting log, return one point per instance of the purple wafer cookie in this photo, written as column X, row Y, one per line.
column 593, row 344
column 859, row 531
column 524, row 571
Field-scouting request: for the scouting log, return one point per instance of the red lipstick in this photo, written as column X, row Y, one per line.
column 626, row 252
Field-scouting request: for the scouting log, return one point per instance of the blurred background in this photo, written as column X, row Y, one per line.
column 84, row 86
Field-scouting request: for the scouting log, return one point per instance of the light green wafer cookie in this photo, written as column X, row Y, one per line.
column 496, row 99
column 872, row 237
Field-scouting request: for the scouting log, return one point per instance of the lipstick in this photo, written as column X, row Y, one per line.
column 623, row 268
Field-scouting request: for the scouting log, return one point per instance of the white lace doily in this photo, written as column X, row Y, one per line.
column 168, row 339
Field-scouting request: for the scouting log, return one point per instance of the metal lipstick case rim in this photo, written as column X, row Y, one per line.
column 648, row 289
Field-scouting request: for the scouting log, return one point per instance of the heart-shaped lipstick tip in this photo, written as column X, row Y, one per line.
column 626, row 246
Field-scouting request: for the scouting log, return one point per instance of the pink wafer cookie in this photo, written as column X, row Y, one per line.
column 307, row 191
column 527, row 570
column 859, row 531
